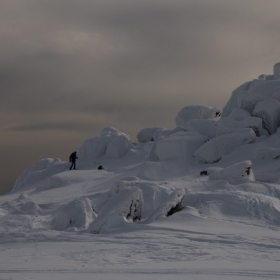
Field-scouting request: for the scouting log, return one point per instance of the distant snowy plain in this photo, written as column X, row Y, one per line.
column 201, row 201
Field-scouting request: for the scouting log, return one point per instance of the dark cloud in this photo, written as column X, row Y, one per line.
column 69, row 68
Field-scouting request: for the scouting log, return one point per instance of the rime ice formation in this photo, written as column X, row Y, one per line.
column 203, row 127
column 228, row 126
column 147, row 134
column 196, row 112
column 235, row 174
column 269, row 111
column 42, row 169
column 125, row 204
column 155, row 133
column 260, row 97
column 76, row 214
column 180, row 145
column 213, row 150
column 111, row 142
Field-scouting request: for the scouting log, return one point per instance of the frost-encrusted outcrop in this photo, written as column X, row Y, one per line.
column 76, row 214
column 228, row 125
column 172, row 205
column 148, row 134
column 180, row 145
column 235, row 174
column 196, row 112
column 40, row 170
column 233, row 101
column 152, row 193
column 111, row 142
column 213, row 150
column 248, row 100
column 269, row 111
column 23, row 205
column 155, row 133
column 125, row 204
column 267, row 153
column 260, row 97
column 203, row 127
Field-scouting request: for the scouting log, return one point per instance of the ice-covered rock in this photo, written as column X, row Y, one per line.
column 233, row 101
column 235, row 174
column 40, row 170
column 228, row 125
column 155, row 133
column 269, row 111
column 213, row 150
column 248, row 100
column 147, row 134
column 118, row 147
column 249, row 94
column 152, row 155
column 196, row 112
column 203, row 127
column 126, row 203
column 180, row 145
column 172, row 205
column 23, row 205
column 152, row 194
column 267, row 153
column 234, row 206
column 76, row 214
column 117, row 143
column 210, row 170
column 238, row 114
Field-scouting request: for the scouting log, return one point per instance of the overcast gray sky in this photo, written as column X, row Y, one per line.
column 69, row 68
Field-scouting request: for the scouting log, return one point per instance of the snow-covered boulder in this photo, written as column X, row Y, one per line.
column 76, row 214
column 147, row 134
column 117, row 143
column 228, row 125
column 235, row 174
column 152, row 194
column 180, row 145
column 152, row 155
column 155, row 133
column 172, row 205
column 203, row 127
column 267, row 153
column 127, row 203
column 210, row 170
column 196, row 112
column 118, row 147
column 238, row 114
column 269, row 111
column 23, row 205
column 233, row 101
column 213, row 150
column 39, row 171
column 248, row 100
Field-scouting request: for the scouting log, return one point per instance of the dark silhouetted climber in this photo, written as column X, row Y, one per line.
column 72, row 159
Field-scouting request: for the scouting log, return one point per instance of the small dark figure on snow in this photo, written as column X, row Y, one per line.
column 72, row 159
column 100, row 167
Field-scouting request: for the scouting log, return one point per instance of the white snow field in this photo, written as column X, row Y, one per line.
column 200, row 201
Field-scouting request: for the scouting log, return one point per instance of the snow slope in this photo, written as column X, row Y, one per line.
column 200, row 201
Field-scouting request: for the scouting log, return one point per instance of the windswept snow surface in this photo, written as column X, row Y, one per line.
column 199, row 202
